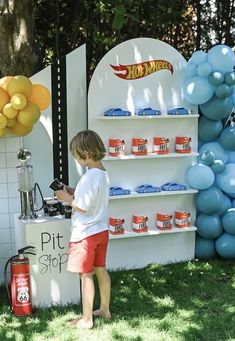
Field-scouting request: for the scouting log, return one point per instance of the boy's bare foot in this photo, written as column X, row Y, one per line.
column 101, row 313
column 80, row 324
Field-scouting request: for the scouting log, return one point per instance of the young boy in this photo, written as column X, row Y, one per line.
column 89, row 237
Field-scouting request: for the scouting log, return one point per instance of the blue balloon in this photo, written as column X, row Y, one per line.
column 207, row 157
column 229, row 78
column 209, row 130
column 209, row 226
column 225, row 206
column 216, row 78
column 231, row 195
column 210, row 200
column 198, row 57
column 200, row 176
column 227, row 138
column 231, row 157
column 221, row 58
column 233, row 203
column 218, row 166
column 217, row 108
column 226, row 180
column 217, row 149
column 204, row 248
column 228, row 221
column 197, row 90
column 204, row 69
column 225, row 245
column 232, row 97
column 223, row 91
column 191, row 70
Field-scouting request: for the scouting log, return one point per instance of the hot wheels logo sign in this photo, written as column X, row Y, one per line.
column 140, row 70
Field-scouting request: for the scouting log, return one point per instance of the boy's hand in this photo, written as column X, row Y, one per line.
column 64, row 195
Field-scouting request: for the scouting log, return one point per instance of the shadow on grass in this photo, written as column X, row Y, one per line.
column 190, row 301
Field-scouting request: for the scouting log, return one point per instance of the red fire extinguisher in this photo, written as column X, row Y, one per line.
column 20, row 295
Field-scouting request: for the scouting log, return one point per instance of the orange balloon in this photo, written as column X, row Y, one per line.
column 20, row 130
column 40, row 96
column 9, row 111
column 19, row 85
column 18, row 101
column 4, row 82
column 3, row 121
column 4, row 98
column 29, row 115
column 11, row 122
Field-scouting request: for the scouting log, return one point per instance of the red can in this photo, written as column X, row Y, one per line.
column 182, row 219
column 161, row 145
column 183, row 144
column 164, row 221
column 139, row 146
column 116, row 225
column 116, row 147
column 139, row 223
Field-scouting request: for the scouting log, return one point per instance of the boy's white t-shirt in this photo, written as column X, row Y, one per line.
column 91, row 195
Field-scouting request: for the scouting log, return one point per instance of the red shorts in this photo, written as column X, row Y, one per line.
column 87, row 253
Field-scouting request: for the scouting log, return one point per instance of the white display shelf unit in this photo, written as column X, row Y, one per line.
column 148, row 117
column 149, row 156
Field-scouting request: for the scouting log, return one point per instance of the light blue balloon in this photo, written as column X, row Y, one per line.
column 227, row 138
column 197, row 90
column 225, row 206
column 226, row 180
column 225, row 245
column 221, row 58
column 217, row 149
column 233, row 203
column 229, row 78
column 191, row 70
column 231, row 195
column 217, row 108
column 228, row 221
column 218, row 166
column 231, row 157
column 200, row 176
column 223, row 91
column 216, row 78
column 233, row 98
column 204, row 248
column 207, row 158
column 209, row 226
column 204, row 69
column 210, row 200
column 198, row 57
column 209, row 130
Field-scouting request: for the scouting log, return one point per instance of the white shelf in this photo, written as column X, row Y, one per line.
column 129, row 234
column 155, row 194
column 149, row 156
column 154, row 117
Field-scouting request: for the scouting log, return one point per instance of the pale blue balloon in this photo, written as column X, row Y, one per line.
column 229, row 78
column 209, row 226
column 209, row 130
column 225, row 245
column 191, row 70
column 197, row 90
column 204, row 69
column 204, row 248
column 210, row 200
column 233, row 203
column 226, row 180
column 217, row 108
column 221, row 58
column 228, row 221
column 233, row 98
column 216, row 78
column 218, row 166
column 207, row 158
column 217, row 149
column 225, row 206
column 223, row 91
column 227, row 138
column 198, row 57
column 200, row 176
column 231, row 157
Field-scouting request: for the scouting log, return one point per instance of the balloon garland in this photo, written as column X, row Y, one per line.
column 21, row 103
column 210, row 83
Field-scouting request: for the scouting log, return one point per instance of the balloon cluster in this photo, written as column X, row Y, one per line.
column 210, row 83
column 21, row 103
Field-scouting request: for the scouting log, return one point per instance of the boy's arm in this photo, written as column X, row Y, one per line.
column 66, row 196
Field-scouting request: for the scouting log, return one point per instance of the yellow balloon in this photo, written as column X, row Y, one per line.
column 3, row 121
column 29, row 115
column 18, row 101
column 4, row 98
column 4, row 82
column 40, row 96
column 11, row 122
column 20, row 130
column 3, row 132
column 19, row 85
column 9, row 111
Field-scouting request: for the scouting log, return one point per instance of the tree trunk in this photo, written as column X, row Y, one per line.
column 17, row 51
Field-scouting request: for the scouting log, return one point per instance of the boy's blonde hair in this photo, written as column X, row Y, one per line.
column 87, row 143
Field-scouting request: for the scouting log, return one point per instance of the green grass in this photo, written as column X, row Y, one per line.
column 188, row 301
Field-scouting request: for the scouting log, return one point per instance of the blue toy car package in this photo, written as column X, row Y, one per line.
column 117, row 112
column 118, row 191
column 178, row 111
column 147, row 189
column 173, row 186
column 148, row 112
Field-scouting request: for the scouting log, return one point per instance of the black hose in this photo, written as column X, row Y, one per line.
column 39, row 189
